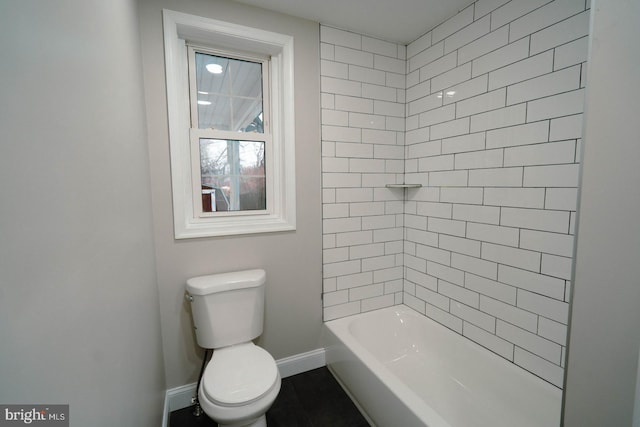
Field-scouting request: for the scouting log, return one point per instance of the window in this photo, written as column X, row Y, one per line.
column 229, row 90
column 226, row 98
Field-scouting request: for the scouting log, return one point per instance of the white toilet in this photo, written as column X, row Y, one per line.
column 241, row 381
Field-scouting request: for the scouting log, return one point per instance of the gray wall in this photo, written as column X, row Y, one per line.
column 605, row 320
column 292, row 260
column 79, row 318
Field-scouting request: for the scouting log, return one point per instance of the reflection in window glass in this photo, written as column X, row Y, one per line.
column 232, row 175
column 229, row 93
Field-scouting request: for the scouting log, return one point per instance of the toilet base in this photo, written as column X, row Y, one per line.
column 247, row 414
column 259, row 422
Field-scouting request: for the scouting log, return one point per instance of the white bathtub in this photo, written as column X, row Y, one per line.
column 403, row 369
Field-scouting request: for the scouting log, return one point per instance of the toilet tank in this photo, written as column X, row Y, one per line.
column 227, row 308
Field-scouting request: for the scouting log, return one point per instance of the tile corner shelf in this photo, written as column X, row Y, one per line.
column 403, row 185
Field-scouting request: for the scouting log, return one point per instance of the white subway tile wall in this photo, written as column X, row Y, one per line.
column 485, row 111
column 363, row 130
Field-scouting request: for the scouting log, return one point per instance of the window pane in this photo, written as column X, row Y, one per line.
column 214, row 111
column 229, row 93
column 247, row 79
column 232, row 175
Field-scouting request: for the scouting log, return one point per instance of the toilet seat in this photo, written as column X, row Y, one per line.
column 239, row 375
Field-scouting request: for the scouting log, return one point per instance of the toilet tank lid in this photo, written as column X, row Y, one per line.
column 213, row 283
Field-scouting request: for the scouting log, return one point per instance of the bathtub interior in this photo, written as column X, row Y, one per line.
column 463, row 382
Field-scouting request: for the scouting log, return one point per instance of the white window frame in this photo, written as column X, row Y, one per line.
column 280, row 214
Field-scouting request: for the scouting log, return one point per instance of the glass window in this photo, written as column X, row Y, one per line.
column 229, row 93
column 232, row 175
column 227, row 100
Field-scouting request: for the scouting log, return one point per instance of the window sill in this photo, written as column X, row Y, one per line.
column 241, row 225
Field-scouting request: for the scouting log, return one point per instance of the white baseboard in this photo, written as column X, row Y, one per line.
column 177, row 398
column 302, row 362
column 180, row 397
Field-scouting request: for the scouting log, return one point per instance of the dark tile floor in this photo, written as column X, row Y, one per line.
column 310, row 399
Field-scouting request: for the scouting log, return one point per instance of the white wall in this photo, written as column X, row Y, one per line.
column 494, row 101
column 494, row 133
column 605, row 320
column 292, row 260
column 79, row 318
column 363, row 96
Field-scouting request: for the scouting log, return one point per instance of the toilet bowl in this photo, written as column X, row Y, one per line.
column 238, row 386
column 241, row 381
